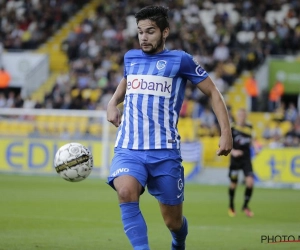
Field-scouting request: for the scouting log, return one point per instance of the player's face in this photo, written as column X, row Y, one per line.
column 241, row 117
column 151, row 39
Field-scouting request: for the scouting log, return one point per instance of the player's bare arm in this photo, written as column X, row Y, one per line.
column 219, row 107
column 113, row 113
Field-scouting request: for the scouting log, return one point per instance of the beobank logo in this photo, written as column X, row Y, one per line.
column 149, row 85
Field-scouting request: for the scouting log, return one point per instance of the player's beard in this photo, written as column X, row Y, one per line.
column 155, row 49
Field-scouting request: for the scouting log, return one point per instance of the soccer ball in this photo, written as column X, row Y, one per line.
column 73, row 162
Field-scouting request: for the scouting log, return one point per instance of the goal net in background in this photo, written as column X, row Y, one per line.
column 29, row 138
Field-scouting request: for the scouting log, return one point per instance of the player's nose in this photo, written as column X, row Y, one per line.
column 144, row 37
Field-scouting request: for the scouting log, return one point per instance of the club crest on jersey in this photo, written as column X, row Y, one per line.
column 161, row 64
column 200, row 71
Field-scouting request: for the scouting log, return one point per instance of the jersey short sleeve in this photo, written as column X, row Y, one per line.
column 125, row 71
column 191, row 69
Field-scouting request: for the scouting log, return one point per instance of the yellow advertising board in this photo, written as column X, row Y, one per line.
column 278, row 165
column 37, row 155
column 23, row 155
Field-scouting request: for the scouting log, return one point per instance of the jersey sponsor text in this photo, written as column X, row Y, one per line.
column 151, row 85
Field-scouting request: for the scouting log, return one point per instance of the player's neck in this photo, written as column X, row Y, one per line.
column 161, row 50
column 242, row 124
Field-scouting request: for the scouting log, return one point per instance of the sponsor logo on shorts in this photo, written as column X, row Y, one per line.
column 120, row 170
column 180, row 184
column 179, row 195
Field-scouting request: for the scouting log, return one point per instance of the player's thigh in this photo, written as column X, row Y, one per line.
column 128, row 165
column 233, row 173
column 166, row 177
column 248, row 169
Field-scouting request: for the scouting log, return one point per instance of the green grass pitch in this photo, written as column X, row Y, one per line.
column 47, row 212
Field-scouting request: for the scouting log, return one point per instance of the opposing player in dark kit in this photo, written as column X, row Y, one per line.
column 241, row 160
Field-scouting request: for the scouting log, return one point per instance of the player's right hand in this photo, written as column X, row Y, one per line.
column 225, row 144
column 113, row 115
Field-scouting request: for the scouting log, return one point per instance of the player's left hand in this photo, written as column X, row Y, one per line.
column 225, row 144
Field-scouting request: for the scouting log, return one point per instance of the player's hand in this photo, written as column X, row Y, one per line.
column 225, row 144
column 113, row 115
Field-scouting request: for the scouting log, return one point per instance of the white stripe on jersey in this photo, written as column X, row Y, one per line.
column 135, row 122
column 156, row 122
column 146, row 123
column 120, row 130
column 175, row 118
column 127, row 115
column 167, row 122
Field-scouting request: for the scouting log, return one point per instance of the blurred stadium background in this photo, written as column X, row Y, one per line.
column 61, row 60
column 64, row 60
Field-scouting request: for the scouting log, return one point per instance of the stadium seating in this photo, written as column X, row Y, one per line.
column 53, row 47
column 205, row 14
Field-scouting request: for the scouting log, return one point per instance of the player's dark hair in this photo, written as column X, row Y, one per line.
column 157, row 14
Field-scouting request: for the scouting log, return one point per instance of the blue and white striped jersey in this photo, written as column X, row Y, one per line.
column 154, row 95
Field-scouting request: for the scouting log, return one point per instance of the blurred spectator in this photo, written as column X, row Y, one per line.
column 208, row 122
column 4, row 79
column 292, row 138
column 29, row 103
column 291, row 113
column 267, row 132
column 10, row 103
column 26, row 24
column 67, row 100
column 207, row 118
column 230, row 114
column 2, row 100
column 229, row 72
column 279, row 112
column 252, row 91
column 297, row 125
column 216, row 76
column 221, row 52
column 272, row 132
column 275, row 95
column 1, row 53
column 276, row 142
column 18, row 101
column 105, row 98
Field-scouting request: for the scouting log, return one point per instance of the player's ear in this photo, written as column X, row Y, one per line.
column 166, row 33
